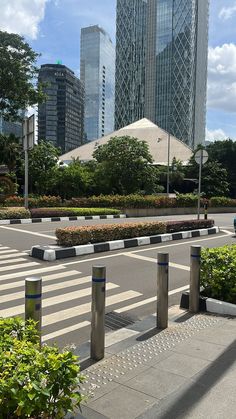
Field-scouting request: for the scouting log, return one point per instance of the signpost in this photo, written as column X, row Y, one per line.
column 201, row 157
column 28, row 143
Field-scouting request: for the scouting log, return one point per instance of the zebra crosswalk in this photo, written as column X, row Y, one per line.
column 66, row 293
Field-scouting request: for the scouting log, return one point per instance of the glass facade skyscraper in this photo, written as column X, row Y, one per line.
column 97, row 73
column 61, row 116
column 175, row 66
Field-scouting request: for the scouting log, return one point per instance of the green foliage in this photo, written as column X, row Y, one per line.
column 124, row 167
column 13, row 213
column 222, row 201
column 10, row 151
column 214, row 177
column 218, row 273
column 72, row 236
column 66, row 212
column 35, row 382
column 74, row 180
column 224, row 152
column 43, row 167
column 186, row 200
column 17, row 75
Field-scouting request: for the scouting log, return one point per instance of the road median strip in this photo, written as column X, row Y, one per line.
column 51, row 253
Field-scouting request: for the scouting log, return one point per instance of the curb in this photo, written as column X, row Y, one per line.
column 72, row 218
column 210, row 305
column 51, row 253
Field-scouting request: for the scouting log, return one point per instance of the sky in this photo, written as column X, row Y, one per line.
column 52, row 28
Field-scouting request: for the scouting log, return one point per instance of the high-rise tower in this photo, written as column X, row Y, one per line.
column 61, row 116
column 97, row 73
column 175, row 34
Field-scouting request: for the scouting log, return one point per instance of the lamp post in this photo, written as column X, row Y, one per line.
column 168, row 167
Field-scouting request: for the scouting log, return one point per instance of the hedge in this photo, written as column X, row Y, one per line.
column 67, row 212
column 72, row 236
column 13, row 213
column 121, row 201
column 218, row 273
column 175, row 226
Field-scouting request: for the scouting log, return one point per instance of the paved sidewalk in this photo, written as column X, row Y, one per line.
column 185, row 371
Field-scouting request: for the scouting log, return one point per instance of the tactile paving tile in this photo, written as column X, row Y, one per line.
column 118, row 365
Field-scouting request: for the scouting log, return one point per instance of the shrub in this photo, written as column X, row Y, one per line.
column 35, row 382
column 34, row 202
column 218, row 273
column 186, row 200
column 222, row 201
column 72, row 236
column 173, row 226
column 67, row 212
column 13, row 213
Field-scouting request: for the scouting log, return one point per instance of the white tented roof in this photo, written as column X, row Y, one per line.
column 156, row 138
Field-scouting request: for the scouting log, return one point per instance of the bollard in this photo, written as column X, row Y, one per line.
column 33, row 301
column 162, row 290
column 98, row 313
column 205, row 211
column 195, row 262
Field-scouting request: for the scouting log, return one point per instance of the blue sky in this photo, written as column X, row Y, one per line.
column 52, row 27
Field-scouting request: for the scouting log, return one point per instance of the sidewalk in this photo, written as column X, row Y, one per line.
column 185, row 371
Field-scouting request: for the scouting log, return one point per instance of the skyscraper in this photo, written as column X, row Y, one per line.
column 175, row 50
column 97, row 73
column 60, row 117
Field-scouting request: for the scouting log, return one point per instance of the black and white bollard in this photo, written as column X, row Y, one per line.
column 195, row 265
column 162, row 290
column 98, row 313
column 33, row 301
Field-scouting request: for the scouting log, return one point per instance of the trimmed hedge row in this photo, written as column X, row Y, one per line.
column 73, row 236
column 67, row 212
column 13, row 213
column 121, row 201
column 218, row 273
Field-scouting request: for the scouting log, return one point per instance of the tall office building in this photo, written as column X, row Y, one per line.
column 8, row 127
column 60, row 117
column 97, row 73
column 175, row 48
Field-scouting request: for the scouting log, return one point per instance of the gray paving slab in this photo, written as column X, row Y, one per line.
column 183, row 365
column 200, row 349
column 124, row 403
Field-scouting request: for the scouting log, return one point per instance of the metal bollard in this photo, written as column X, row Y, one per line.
column 205, row 211
column 98, row 313
column 195, row 262
column 162, row 290
column 33, row 301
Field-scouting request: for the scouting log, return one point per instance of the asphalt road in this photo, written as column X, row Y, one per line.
column 131, row 276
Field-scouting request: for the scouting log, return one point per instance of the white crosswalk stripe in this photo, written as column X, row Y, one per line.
column 55, row 279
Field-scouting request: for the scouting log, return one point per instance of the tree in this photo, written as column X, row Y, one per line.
column 17, row 74
column 214, row 177
column 10, row 151
column 43, row 167
column 225, row 153
column 124, row 166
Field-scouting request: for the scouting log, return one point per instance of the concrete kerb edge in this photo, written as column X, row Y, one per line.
column 44, row 220
column 48, row 253
column 210, row 305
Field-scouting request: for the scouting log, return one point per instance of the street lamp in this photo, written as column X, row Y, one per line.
column 168, row 164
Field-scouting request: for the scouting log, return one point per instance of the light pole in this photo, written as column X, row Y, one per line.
column 168, row 167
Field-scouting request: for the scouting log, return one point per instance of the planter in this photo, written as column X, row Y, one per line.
column 210, row 305
column 153, row 212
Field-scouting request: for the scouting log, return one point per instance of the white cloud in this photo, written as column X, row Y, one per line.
column 227, row 12
column 22, row 16
column 215, row 135
column 222, row 77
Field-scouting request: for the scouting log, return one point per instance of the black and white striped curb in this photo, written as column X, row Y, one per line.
column 51, row 253
column 210, row 304
column 72, row 218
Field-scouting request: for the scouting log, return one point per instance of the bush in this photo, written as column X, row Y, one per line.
column 222, row 201
column 34, row 202
column 13, row 213
column 174, row 226
column 218, row 273
column 186, row 200
column 35, row 382
column 72, row 236
column 67, row 212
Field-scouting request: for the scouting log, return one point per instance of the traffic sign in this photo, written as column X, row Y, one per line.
column 201, row 156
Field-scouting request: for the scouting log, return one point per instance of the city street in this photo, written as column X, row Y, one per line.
column 131, row 276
